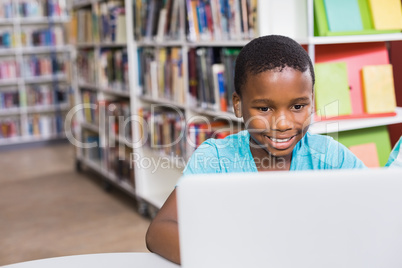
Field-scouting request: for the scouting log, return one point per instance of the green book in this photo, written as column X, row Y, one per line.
column 343, row 15
column 332, row 95
column 377, row 135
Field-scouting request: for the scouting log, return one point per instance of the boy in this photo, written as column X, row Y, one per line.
column 274, row 83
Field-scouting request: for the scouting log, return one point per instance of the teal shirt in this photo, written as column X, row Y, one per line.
column 233, row 154
column 395, row 158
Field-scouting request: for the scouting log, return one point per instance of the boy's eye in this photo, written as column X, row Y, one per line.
column 263, row 109
column 298, row 107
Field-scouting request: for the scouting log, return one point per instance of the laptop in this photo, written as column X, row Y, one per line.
column 311, row 219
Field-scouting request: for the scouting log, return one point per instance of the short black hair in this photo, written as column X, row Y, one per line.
column 271, row 52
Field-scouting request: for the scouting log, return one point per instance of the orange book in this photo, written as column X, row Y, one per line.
column 367, row 153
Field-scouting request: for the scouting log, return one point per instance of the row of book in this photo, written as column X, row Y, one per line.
column 161, row 73
column 9, row 99
column 51, row 36
column 113, row 69
column 115, row 158
column 355, row 17
column 9, row 127
column 42, row 95
column 86, row 67
column 168, row 132
column 198, row 132
column 44, row 65
column 221, row 19
column 45, row 125
column 9, row 69
column 41, row 8
column 156, row 19
column 211, row 77
column 106, row 23
column 164, row 131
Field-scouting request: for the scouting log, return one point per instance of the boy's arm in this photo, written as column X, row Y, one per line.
column 162, row 236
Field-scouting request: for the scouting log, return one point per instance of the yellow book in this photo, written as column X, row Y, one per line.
column 378, row 89
column 386, row 14
column 161, row 72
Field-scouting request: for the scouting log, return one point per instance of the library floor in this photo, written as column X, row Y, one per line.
column 49, row 210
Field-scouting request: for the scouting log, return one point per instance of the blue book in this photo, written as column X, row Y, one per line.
column 343, row 15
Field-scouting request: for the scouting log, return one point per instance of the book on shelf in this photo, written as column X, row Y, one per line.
column 378, row 89
column 218, row 72
column 229, row 59
column 367, row 153
column 89, row 98
column 9, row 98
column 45, row 125
column 9, row 127
column 343, row 15
column 221, row 19
column 387, row 15
column 9, row 69
column 332, row 96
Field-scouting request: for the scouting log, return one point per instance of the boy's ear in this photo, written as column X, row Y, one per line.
column 237, row 105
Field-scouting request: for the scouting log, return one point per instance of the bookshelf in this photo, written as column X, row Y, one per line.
column 35, row 91
column 159, row 57
column 98, row 33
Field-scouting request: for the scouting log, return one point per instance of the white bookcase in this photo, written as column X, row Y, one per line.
column 153, row 183
column 18, row 51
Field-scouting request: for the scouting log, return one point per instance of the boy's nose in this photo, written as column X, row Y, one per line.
column 282, row 123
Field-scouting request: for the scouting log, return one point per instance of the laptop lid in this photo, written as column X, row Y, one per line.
column 314, row 219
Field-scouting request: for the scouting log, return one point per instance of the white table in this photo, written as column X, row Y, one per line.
column 105, row 260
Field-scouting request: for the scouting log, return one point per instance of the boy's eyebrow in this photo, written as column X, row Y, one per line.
column 301, row 99
column 265, row 101
column 262, row 101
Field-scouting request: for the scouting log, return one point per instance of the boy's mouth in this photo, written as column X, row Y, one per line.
column 281, row 143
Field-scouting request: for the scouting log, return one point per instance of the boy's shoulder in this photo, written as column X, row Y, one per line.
column 315, row 141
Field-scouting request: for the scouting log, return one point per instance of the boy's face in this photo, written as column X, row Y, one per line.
column 276, row 108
